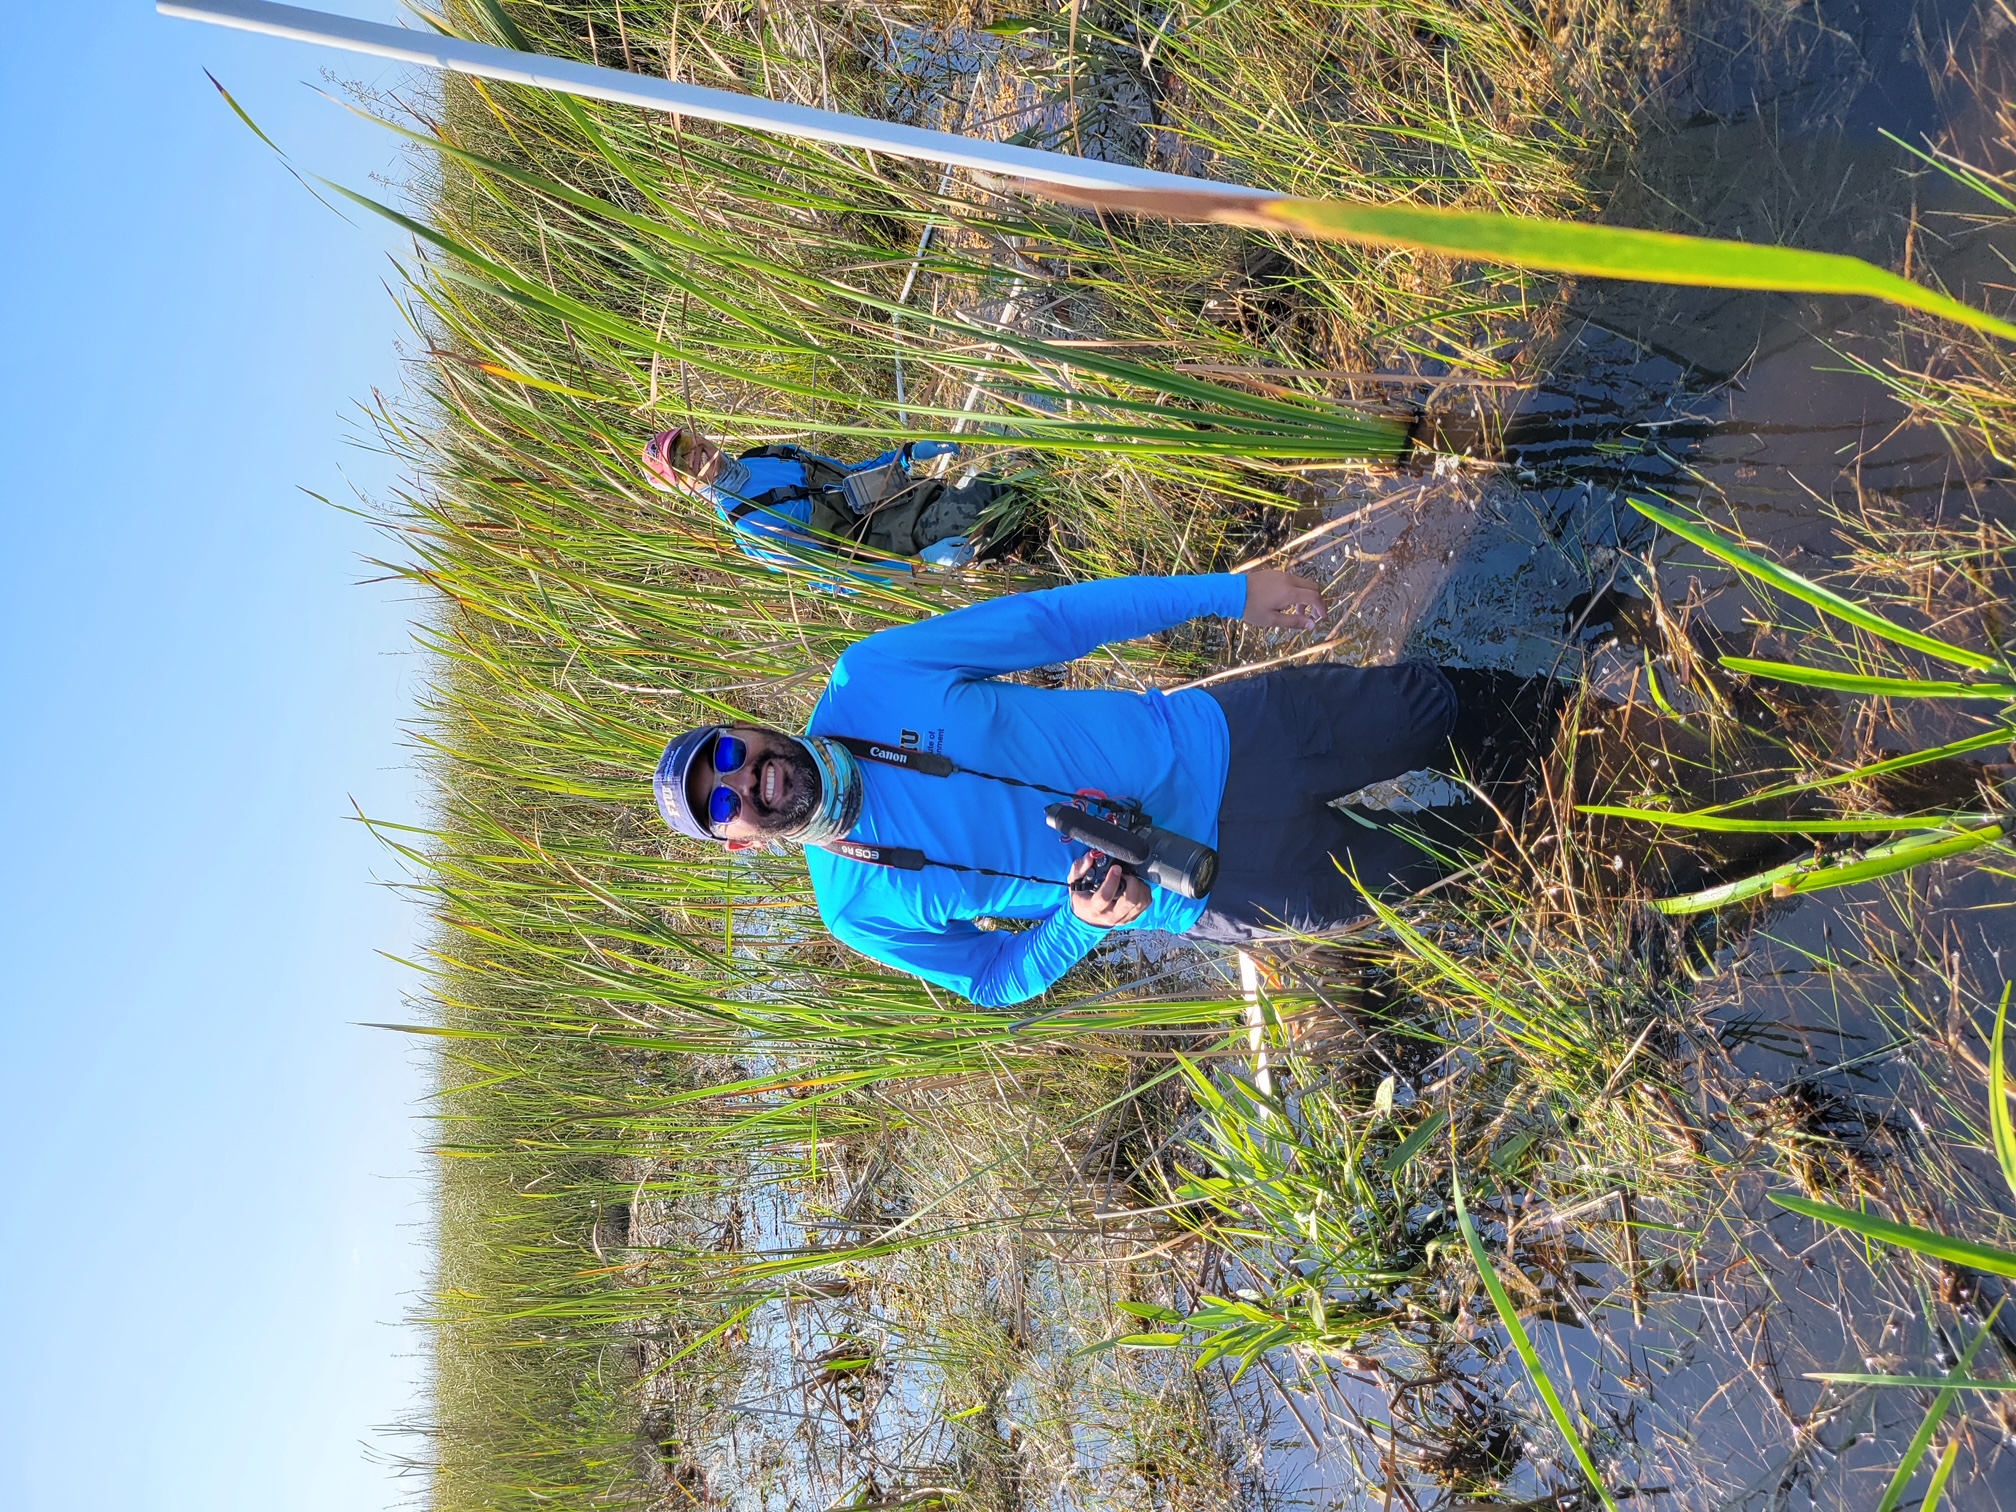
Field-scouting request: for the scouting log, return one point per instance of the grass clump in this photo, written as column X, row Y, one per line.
column 1966, row 384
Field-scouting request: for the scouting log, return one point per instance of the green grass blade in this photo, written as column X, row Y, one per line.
column 1873, row 769
column 1938, row 1487
column 1960, row 172
column 509, row 34
column 1899, row 855
column 1521, row 1342
column 1874, row 687
column 1528, row 1027
column 1385, row 437
column 1998, row 1095
column 1554, row 246
column 1806, row 591
column 1809, row 876
column 1957, row 1382
column 1659, row 694
column 1915, row 1451
column 1417, row 1141
column 1934, row 1415
column 726, row 1326
column 1870, row 825
column 1331, row 431
column 239, row 111
column 1985, row 1257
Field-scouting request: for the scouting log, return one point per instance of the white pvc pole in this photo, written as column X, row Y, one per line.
column 431, row 50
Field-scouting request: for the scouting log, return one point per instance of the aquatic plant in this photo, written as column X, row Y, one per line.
column 1940, row 836
column 1967, row 387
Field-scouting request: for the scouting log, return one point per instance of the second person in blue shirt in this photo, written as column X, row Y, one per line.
column 788, row 507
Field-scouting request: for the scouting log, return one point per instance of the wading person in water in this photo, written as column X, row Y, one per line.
column 923, row 787
column 786, row 506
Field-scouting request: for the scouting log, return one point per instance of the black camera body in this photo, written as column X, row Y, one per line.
column 1160, row 857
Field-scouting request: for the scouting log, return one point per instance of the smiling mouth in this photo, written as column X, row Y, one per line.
column 770, row 783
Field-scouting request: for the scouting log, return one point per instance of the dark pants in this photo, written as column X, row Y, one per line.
column 930, row 510
column 1301, row 737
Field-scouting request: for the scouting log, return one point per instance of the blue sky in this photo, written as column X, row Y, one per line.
column 213, row 1218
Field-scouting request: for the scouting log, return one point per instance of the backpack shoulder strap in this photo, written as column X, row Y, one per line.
column 820, row 472
column 788, row 494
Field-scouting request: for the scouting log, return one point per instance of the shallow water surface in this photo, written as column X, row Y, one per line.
column 1842, row 1022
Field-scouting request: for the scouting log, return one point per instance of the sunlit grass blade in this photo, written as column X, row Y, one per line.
column 1517, row 1019
column 1870, row 825
column 1548, row 246
column 1998, row 1094
column 240, row 112
column 1957, row 1382
column 1873, row 687
column 1985, row 1257
column 1874, row 769
column 1940, row 1474
column 1658, row 693
column 1616, row 252
column 1528, row 1355
column 1934, row 1415
column 1417, row 1141
column 725, row 1326
column 1806, row 591
column 1997, row 190
column 1271, row 427
column 1815, row 876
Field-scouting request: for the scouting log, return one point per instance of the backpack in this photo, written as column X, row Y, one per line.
column 823, row 477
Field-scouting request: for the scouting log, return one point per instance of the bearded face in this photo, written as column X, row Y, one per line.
column 772, row 791
column 798, row 792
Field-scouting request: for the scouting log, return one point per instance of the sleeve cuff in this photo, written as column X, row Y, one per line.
column 1065, row 940
column 1229, row 594
column 1076, row 931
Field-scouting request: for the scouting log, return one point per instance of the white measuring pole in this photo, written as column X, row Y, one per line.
column 753, row 112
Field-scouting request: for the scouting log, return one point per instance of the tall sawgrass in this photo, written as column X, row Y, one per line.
column 727, row 1211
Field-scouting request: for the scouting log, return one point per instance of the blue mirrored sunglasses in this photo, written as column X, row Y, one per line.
column 723, row 804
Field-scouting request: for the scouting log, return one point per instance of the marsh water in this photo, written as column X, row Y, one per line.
column 1829, row 1015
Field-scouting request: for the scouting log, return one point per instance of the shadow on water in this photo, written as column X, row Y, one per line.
column 1841, row 1030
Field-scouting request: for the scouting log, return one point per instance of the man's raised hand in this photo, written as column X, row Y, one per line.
column 1277, row 600
column 1121, row 899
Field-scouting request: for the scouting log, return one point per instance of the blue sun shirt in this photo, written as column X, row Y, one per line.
column 934, row 685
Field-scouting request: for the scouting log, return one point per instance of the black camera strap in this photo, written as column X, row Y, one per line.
column 930, row 764
column 909, row 858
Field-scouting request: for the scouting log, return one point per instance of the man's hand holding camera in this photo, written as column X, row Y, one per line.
column 1120, row 898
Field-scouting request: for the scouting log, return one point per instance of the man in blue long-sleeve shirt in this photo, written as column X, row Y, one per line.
column 904, row 862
